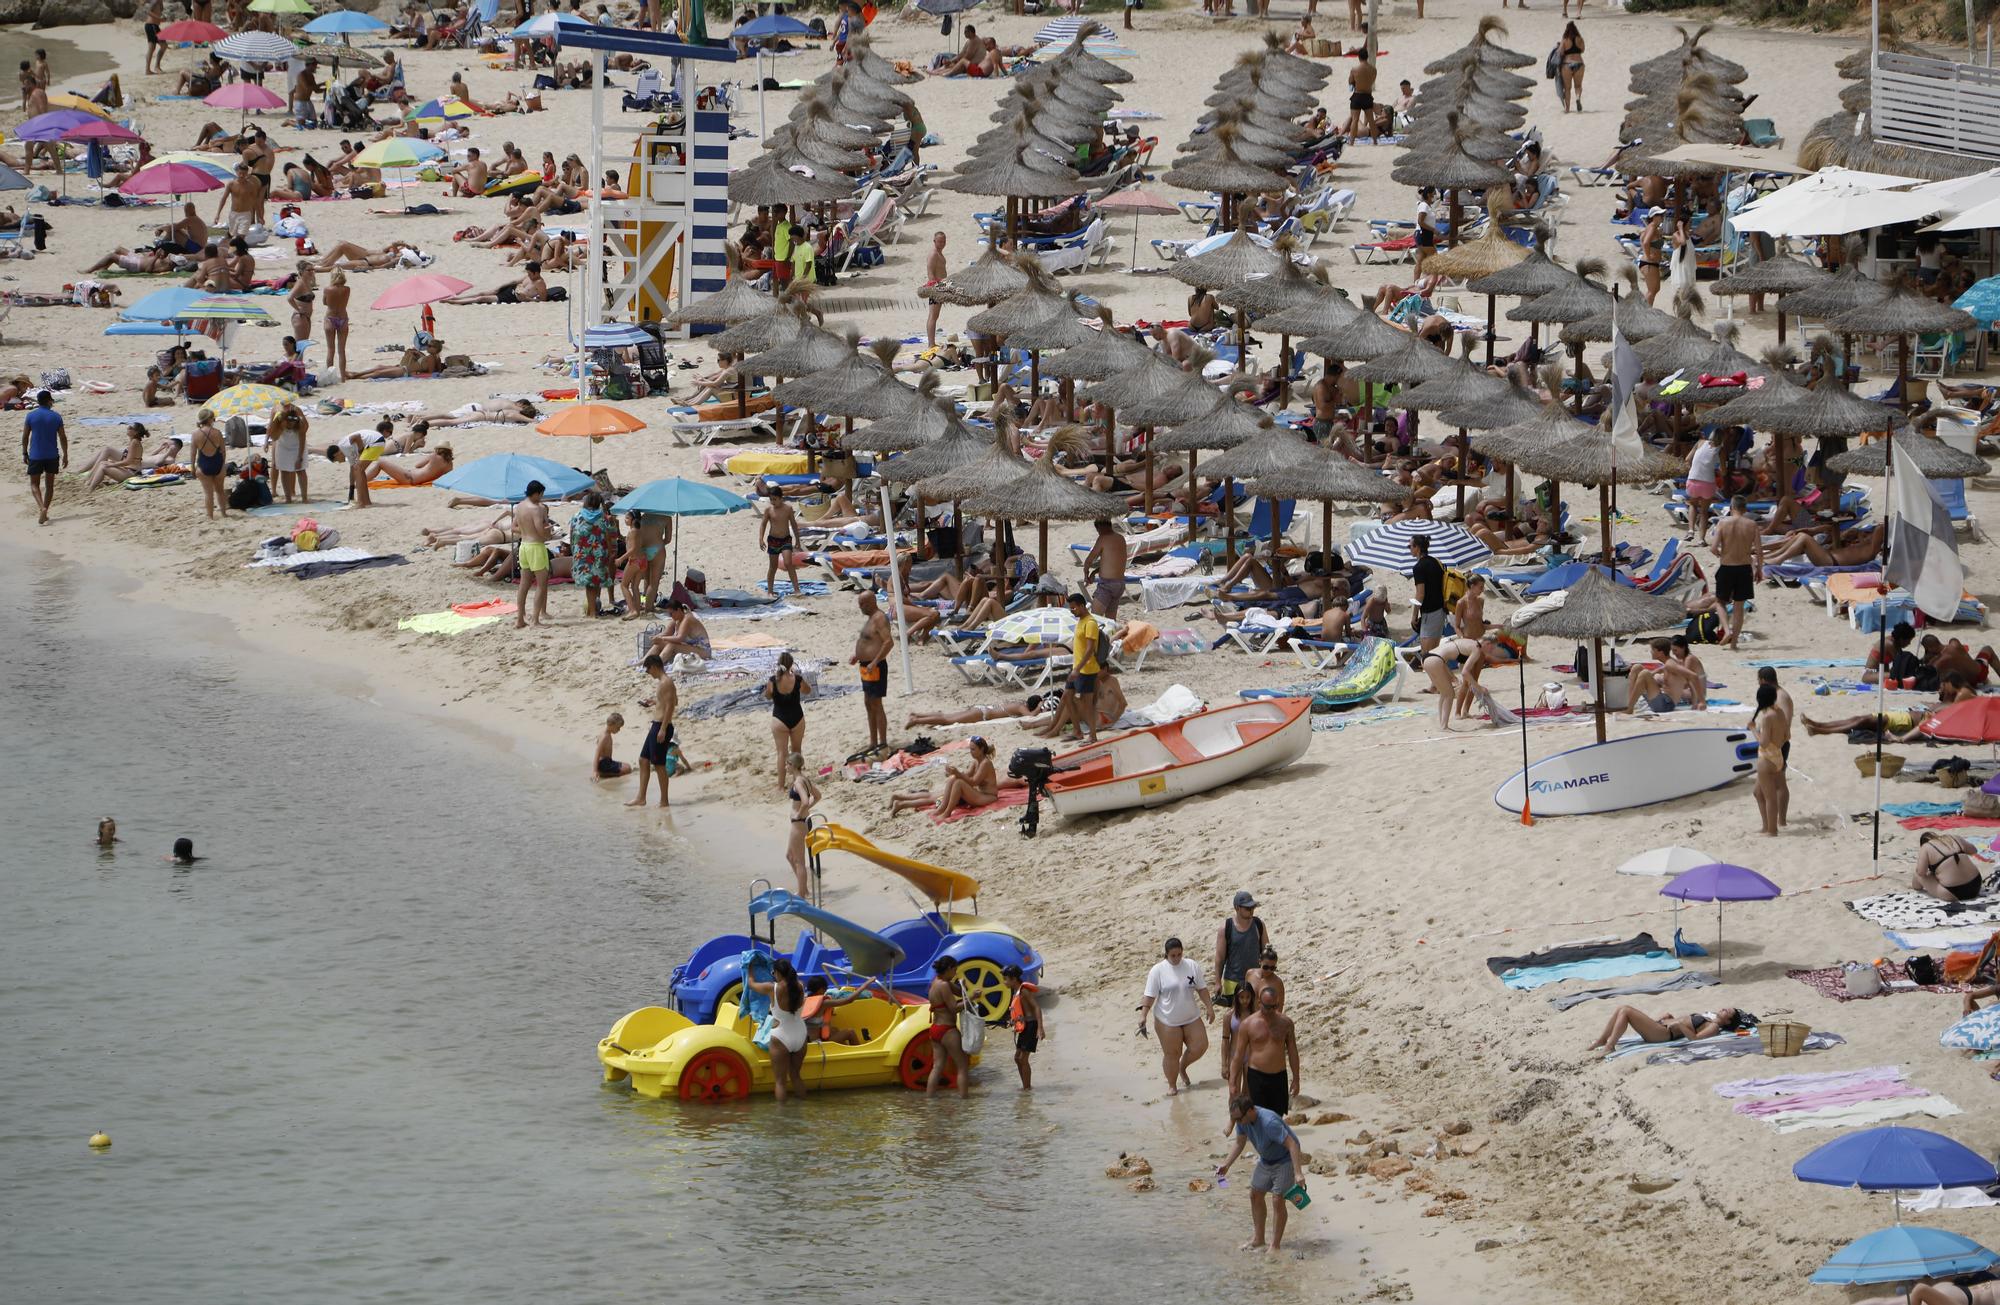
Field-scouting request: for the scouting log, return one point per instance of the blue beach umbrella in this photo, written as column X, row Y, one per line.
column 771, row 25
column 1901, row 1254
column 1895, row 1159
column 615, row 335
column 345, row 22
column 504, row 477
column 1562, row 577
column 488, row 10
column 545, row 25
column 675, row 497
column 165, row 305
column 145, row 328
column 1982, row 300
column 12, row 180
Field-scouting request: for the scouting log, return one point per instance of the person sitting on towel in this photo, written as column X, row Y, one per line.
column 1948, row 867
column 1679, row 681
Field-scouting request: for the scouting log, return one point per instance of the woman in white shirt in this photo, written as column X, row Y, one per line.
column 1179, row 1003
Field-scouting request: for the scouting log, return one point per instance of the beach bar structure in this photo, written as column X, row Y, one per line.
column 664, row 244
column 1932, row 104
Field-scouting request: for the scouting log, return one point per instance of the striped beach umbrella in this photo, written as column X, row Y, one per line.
column 1387, row 548
column 280, row 6
column 446, row 108
column 247, row 400
column 397, row 152
column 1038, row 625
column 255, row 47
column 220, row 166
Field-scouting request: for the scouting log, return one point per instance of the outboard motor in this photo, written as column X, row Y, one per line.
column 1032, row 766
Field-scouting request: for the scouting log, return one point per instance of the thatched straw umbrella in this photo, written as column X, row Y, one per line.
column 1264, row 297
column 1451, row 169
column 816, row 104
column 1483, row 50
column 958, row 446
column 1934, row 458
column 1013, row 177
column 802, row 139
column 1509, row 408
column 1456, row 385
column 861, row 53
column 1042, row 494
column 1108, row 352
column 1477, row 259
column 737, row 301
column 805, row 352
column 1273, row 449
column 1549, row 425
column 1779, row 275
column 1843, row 292
column 988, row 280
column 1327, row 310
column 1223, row 171
column 1269, row 131
column 787, row 177
column 1040, row 300
column 1074, row 58
column 1222, row 424
column 1062, row 329
column 1285, row 62
column 1579, row 298
column 1598, row 608
column 916, row 425
column 1633, row 318
column 1902, row 314
column 850, row 387
column 1592, row 457
column 1688, row 58
column 1325, row 476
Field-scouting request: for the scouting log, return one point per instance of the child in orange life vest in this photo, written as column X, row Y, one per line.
column 1024, row 1013
column 814, row 1012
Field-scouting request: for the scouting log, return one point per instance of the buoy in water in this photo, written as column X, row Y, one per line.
column 100, row 1141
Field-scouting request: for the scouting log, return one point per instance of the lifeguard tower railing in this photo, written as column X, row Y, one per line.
column 1936, row 104
column 664, row 243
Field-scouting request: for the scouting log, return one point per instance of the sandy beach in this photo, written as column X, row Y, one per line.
column 1385, row 871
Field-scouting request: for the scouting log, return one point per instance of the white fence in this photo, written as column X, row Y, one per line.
column 1935, row 104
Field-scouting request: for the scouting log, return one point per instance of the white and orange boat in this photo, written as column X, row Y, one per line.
column 1164, row 763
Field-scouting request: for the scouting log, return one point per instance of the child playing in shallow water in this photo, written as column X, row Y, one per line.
column 604, row 767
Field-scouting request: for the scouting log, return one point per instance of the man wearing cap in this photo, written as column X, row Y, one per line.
column 1238, row 944
column 1084, row 666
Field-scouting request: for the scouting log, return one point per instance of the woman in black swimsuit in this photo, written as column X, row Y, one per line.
column 804, row 796
column 209, row 448
column 788, row 717
column 1947, row 868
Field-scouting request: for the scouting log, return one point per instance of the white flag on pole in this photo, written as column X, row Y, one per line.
column 1923, row 550
column 1626, row 372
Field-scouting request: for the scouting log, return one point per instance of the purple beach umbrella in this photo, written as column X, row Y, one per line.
column 1719, row 883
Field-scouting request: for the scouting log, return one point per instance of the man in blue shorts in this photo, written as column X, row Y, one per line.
column 45, row 448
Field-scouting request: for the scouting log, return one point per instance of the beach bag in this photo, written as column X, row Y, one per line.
column 944, row 28
column 971, row 1029
column 1456, row 582
column 1704, row 627
column 56, row 378
column 1861, row 980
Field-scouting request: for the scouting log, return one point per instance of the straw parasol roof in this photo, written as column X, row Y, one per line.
column 1847, row 289
column 815, row 106
column 1076, row 59
column 1242, row 151
column 1596, row 607
column 1272, row 450
column 1224, row 425
column 1634, row 318
column 987, row 280
column 957, row 446
column 1477, row 138
column 912, row 426
column 1288, row 286
column 766, row 332
column 1000, row 463
column 1690, row 56
column 1220, row 169
column 1573, row 302
column 1283, row 61
column 850, row 388
column 850, row 87
column 1551, row 425
column 1042, row 493
column 815, row 127
column 1448, row 166
column 1230, row 263
column 787, row 177
column 1148, row 377
column 1325, row 312
column 1537, row 274
column 1038, row 300
column 819, row 153
column 1857, row 97
column 1026, row 175
column 1901, row 313
column 1459, row 387
column 1483, row 50
column 1411, row 362
column 1364, row 336
column 1480, row 78
column 1325, row 475
column 1253, row 127
column 1052, row 138
column 737, row 301
column 1936, row 459
column 1509, row 409
column 1105, row 354
column 1588, row 458
column 860, row 51
column 1827, row 411
column 1753, row 404
column 1686, row 347
column 1179, row 397
column 1776, row 275
column 1062, row 329
column 811, row 350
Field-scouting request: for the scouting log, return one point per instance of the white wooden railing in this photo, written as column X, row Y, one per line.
column 1935, row 104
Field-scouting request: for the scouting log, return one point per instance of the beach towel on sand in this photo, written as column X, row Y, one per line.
column 1678, row 981
column 1597, row 967
column 1831, row 981
column 1635, row 945
column 1688, row 1053
column 1907, row 911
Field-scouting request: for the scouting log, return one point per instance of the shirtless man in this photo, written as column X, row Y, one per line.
column 530, row 289
column 1107, row 558
column 935, row 270
column 778, row 535
column 1739, row 546
column 468, row 180
column 1326, row 402
column 1677, row 682
column 189, row 233
column 1266, row 1044
column 653, row 753
column 1361, row 100
column 243, row 196
column 531, row 521
column 871, row 654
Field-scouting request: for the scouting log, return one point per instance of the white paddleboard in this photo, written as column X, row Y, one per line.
column 1632, row 772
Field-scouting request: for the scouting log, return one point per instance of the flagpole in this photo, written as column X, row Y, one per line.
column 1882, row 640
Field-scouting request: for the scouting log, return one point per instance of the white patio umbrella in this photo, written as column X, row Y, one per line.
column 1665, row 861
column 1834, row 210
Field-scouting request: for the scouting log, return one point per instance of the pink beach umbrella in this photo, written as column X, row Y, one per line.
column 424, row 288
column 169, row 179
column 1136, row 200
column 100, row 130
column 243, row 97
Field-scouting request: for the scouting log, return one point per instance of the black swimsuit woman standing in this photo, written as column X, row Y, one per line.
column 788, row 716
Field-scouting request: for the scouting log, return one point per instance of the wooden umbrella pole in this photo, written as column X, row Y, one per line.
column 1903, row 372
column 1491, row 334
column 1451, row 237
column 958, row 541
column 1042, row 553
column 1326, row 532
column 1284, row 370
column 1604, row 530
column 1597, row 682
column 1149, row 473
column 923, row 535
column 1034, row 377
column 1066, row 388
column 1229, row 519
column 1464, row 467
column 1193, row 494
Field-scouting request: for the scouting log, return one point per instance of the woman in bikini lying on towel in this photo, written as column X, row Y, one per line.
column 1971, row 1289
column 1666, row 1027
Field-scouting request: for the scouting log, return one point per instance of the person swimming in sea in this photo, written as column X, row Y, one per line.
column 184, row 852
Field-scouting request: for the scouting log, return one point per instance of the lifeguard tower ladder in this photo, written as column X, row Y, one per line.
column 664, row 244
